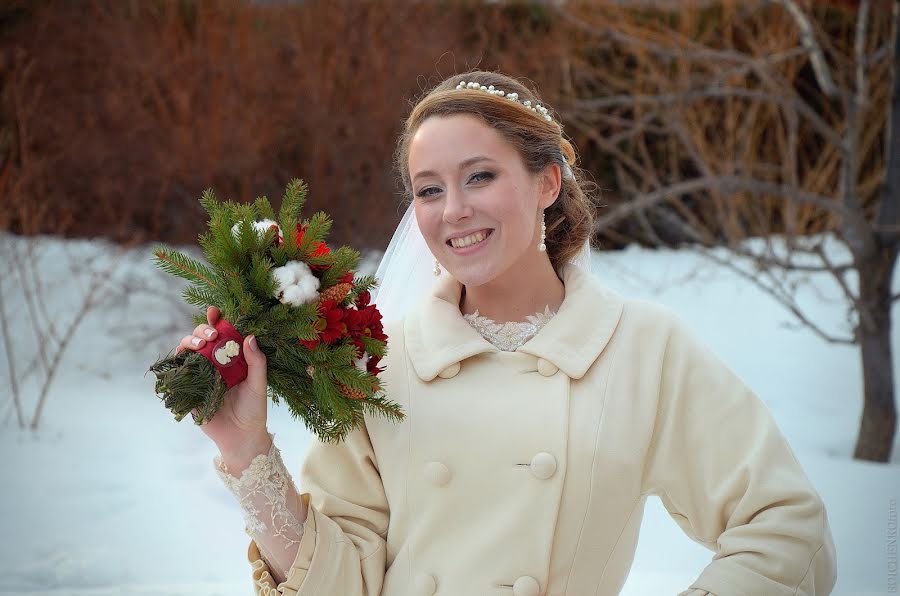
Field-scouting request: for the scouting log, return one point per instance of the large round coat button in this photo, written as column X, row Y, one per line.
column 526, row 586
column 424, row 584
column 449, row 372
column 543, row 465
column 546, row 368
column 437, row 473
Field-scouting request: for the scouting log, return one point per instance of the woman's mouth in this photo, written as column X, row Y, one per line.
column 470, row 243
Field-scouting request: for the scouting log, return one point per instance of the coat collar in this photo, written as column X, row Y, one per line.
column 437, row 336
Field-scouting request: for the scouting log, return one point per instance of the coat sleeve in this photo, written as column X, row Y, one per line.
column 728, row 477
column 342, row 550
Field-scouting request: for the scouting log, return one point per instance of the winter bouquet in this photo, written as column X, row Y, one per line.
column 277, row 279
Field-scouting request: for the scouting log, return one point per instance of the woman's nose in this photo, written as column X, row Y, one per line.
column 456, row 207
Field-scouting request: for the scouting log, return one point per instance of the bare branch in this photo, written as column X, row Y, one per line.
column 781, row 296
column 785, row 101
column 772, row 261
column 10, row 362
column 724, row 184
column 690, row 49
column 853, row 299
column 808, row 39
column 859, row 51
column 887, row 219
column 97, row 284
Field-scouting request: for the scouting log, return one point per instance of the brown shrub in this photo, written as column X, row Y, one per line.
column 119, row 114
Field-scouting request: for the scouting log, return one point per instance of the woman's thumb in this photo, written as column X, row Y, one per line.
column 256, row 362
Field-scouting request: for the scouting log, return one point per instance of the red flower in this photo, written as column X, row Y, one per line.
column 335, row 326
column 331, row 327
column 346, row 278
column 372, row 365
column 319, row 250
column 366, row 321
column 362, row 299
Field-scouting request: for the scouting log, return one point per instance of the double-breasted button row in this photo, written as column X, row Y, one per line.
column 544, row 366
column 424, row 584
column 542, row 466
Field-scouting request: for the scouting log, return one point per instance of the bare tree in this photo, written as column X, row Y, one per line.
column 54, row 288
column 762, row 120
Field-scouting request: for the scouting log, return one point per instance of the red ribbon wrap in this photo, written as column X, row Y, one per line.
column 235, row 370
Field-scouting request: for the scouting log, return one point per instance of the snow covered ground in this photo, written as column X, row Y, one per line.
column 111, row 497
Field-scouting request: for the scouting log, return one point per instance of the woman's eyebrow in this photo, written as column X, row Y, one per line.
column 462, row 165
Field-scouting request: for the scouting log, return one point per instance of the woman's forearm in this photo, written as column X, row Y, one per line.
column 273, row 511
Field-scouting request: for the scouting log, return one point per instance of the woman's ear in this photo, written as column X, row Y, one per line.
column 549, row 185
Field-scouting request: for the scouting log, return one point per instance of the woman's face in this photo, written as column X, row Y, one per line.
column 477, row 206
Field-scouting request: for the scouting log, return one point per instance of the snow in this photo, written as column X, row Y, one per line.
column 110, row 496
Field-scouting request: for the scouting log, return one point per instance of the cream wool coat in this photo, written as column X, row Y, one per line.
column 525, row 473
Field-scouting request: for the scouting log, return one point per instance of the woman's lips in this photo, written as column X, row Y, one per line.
column 466, row 250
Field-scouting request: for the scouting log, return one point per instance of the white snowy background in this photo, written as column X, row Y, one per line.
column 109, row 496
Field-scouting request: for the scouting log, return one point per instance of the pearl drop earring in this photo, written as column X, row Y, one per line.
column 437, row 268
column 542, row 246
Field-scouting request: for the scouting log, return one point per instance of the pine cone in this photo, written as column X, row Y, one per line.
column 351, row 393
column 337, row 292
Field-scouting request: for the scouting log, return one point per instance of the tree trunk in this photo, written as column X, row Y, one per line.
column 879, row 417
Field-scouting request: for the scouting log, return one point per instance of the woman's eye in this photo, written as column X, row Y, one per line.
column 481, row 177
column 428, row 191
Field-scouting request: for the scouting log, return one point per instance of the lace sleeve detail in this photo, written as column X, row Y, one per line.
column 271, row 507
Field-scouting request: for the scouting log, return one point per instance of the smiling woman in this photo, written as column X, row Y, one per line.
column 522, row 141
column 542, row 408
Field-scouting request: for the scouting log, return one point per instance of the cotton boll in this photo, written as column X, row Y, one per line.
column 284, row 277
column 309, row 287
column 299, row 269
column 296, row 283
column 262, row 226
column 292, row 295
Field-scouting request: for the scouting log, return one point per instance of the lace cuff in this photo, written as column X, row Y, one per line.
column 271, row 506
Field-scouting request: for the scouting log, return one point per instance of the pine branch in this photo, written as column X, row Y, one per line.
column 209, row 202
column 199, row 297
column 292, row 204
column 374, row 347
column 264, row 208
column 175, row 263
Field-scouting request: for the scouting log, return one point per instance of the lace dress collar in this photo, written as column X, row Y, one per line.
column 511, row 335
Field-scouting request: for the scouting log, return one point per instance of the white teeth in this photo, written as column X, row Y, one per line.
column 467, row 240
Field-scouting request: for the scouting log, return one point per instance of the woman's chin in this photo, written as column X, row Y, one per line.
column 475, row 274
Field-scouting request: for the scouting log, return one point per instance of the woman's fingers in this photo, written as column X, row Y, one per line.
column 201, row 334
column 191, row 342
column 205, row 332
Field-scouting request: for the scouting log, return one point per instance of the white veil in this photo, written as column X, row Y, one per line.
column 405, row 272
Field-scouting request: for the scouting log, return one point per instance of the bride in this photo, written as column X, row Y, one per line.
column 542, row 409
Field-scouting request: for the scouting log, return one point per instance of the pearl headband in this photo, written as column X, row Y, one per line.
column 538, row 108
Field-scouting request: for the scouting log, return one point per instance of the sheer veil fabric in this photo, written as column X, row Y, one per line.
column 405, row 272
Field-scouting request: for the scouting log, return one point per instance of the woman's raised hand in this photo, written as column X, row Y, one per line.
column 238, row 428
